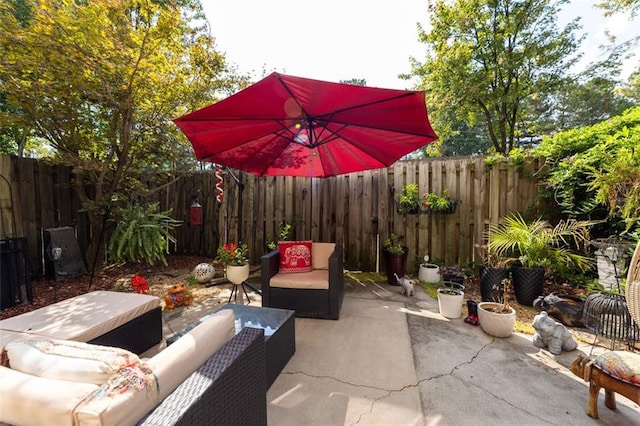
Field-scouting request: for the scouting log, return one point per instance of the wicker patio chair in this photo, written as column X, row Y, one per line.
column 306, row 302
column 633, row 287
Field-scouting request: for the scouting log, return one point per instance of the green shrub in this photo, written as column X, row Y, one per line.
column 141, row 234
column 594, row 172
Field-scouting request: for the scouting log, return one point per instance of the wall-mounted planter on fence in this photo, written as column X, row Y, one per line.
column 450, row 209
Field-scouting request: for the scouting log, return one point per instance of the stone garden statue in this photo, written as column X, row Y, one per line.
column 552, row 334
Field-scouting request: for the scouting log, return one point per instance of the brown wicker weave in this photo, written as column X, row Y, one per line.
column 311, row 303
column 633, row 286
column 228, row 389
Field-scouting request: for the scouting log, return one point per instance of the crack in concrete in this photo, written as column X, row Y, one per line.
column 450, row 374
column 386, row 392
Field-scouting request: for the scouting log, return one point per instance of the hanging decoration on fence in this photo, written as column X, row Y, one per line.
column 219, row 184
column 195, row 212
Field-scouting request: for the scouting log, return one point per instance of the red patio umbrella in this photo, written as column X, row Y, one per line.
column 293, row 126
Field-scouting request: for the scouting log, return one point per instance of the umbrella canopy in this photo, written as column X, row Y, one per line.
column 292, row 126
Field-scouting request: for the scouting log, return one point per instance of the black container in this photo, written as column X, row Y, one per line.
column 528, row 284
column 491, row 283
column 15, row 275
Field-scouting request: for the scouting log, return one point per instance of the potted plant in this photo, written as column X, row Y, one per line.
column 538, row 248
column 409, row 199
column 453, row 273
column 498, row 318
column 435, row 203
column 395, row 256
column 428, row 272
column 450, row 298
column 235, row 259
column 492, row 272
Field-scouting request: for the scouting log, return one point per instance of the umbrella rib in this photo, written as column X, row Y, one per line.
column 380, row 101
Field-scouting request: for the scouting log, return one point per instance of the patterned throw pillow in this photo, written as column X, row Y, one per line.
column 621, row 364
column 295, row 256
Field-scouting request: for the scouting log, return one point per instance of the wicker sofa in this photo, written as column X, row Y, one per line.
column 315, row 294
column 198, row 379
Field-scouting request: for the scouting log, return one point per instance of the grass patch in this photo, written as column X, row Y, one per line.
column 430, row 288
column 524, row 328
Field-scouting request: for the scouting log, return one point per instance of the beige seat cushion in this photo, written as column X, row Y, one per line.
column 320, row 253
column 7, row 337
column 31, row 400
column 316, row 279
column 82, row 318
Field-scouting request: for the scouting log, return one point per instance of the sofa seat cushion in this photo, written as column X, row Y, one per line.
column 316, row 279
column 82, row 318
column 181, row 358
column 32, row 400
column 68, row 360
column 7, row 337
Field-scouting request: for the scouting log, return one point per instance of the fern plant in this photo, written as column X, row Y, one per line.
column 141, row 234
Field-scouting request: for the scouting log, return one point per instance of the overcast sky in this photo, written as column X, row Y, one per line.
column 343, row 39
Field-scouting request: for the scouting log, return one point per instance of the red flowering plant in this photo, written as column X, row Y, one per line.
column 233, row 254
column 140, row 284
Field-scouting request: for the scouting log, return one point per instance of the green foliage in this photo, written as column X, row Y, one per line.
column 538, row 244
column 394, row 244
column 594, row 172
column 233, row 254
column 409, row 199
column 435, row 202
column 613, row 6
column 141, row 234
column 100, row 81
column 285, row 232
column 485, row 59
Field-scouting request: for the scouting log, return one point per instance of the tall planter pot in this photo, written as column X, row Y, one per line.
column 491, row 283
column 528, row 284
column 395, row 264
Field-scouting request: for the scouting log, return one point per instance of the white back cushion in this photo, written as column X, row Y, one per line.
column 180, row 359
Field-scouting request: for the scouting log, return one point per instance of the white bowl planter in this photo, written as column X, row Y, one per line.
column 429, row 272
column 237, row 274
column 450, row 302
column 496, row 324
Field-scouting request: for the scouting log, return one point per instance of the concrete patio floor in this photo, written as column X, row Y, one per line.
column 394, row 360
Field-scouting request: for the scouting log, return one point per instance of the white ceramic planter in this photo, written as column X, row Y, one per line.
column 237, row 274
column 429, row 272
column 495, row 324
column 450, row 302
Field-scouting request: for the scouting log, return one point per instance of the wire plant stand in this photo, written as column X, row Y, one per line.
column 606, row 313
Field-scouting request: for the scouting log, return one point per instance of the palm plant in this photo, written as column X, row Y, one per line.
column 539, row 244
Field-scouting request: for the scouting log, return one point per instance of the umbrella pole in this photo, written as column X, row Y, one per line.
column 240, row 182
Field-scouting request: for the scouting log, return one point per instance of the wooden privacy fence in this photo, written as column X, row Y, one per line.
column 36, row 195
column 357, row 211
